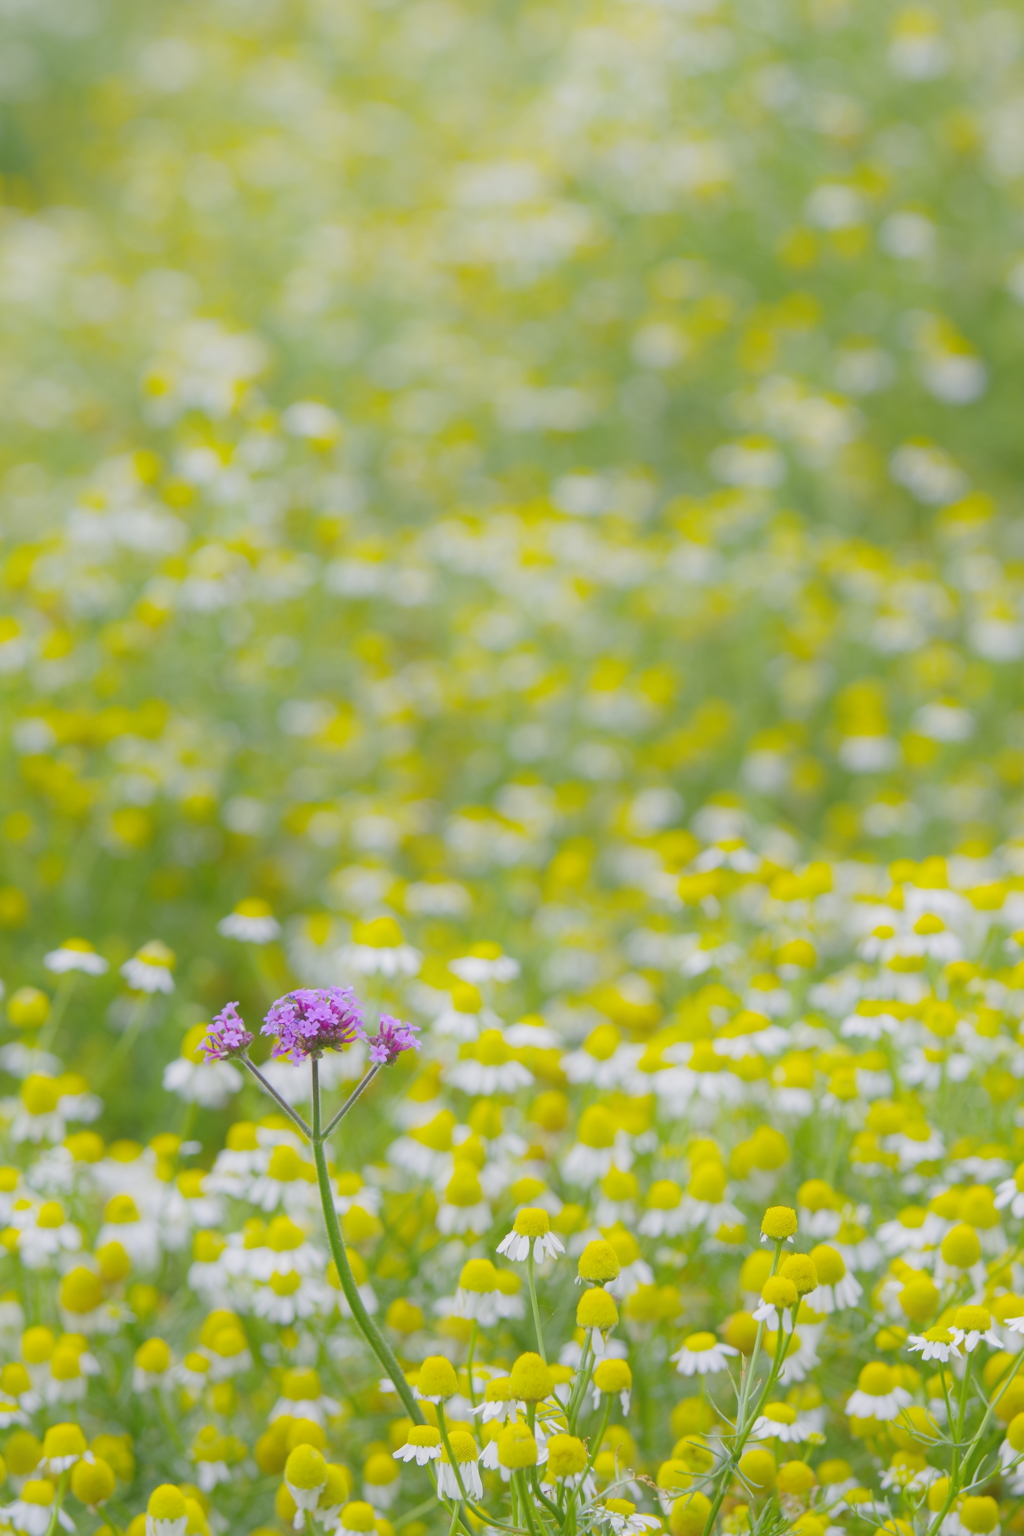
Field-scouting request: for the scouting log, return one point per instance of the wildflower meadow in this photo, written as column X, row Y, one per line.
column 511, row 768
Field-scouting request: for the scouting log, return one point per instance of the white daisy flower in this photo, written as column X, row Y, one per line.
column 702, row 1355
column 937, row 1344
column 75, row 955
column 251, row 922
column 149, row 969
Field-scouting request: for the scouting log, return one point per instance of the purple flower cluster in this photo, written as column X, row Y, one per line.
column 312, row 1020
column 392, row 1038
column 227, row 1035
column 308, row 1022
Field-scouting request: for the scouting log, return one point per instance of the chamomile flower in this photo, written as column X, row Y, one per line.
column 701, row 1354
column 877, row 1395
column 422, row 1445
column 33, row 1513
column 465, row 1457
column 251, row 922
column 488, row 1066
column 972, row 1325
column 150, row 969
column 531, row 1229
column 75, row 955
column 1010, row 1193
column 936, row 1344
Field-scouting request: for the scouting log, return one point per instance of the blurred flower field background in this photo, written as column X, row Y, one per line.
column 515, row 509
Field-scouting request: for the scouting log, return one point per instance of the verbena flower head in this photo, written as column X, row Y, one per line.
column 227, row 1035
column 392, row 1038
column 312, row 1020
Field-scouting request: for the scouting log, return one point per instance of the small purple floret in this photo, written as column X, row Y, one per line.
column 227, row 1035
column 312, row 1020
column 392, row 1038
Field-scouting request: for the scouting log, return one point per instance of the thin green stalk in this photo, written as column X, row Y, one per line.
column 443, row 1427
column 61, row 998
column 534, row 1303
column 415, row 1512
column 371, row 1333
column 975, row 1446
column 579, row 1390
column 292, row 1114
column 745, row 1421
column 57, row 1502
column 600, row 1433
column 172, row 1428
column 357, row 1090
column 128, row 1038
column 471, row 1505
column 469, row 1362
column 526, row 1502
column 534, row 1480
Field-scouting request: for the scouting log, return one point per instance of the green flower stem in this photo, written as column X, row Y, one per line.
column 579, row 1390
column 534, row 1480
column 958, row 1482
column 526, row 1502
column 172, row 1428
column 62, row 1487
column 292, row 1114
column 416, row 1513
column 371, row 1333
column 469, row 1362
column 475, row 1508
column 61, row 998
column 357, row 1090
column 745, row 1421
column 443, row 1427
column 534, row 1303
column 128, row 1038
column 606, row 1415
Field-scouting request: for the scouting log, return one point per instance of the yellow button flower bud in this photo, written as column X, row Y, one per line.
column 530, row 1380
column 305, row 1469
column 960, row 1247
column 517, row 1447
column 63, row 1440
column 613, row 1376
column 740, row 1331
column 380, row 1469
column 153, row 1357
column 598, row 1262
column 567, row 1456
column 800, row 1269
column 92, row 1482
column 778, row 1222
column 358, row 1516
column 919, row 1299
column 796, row 1478
column 596, row 1309
column 689, row 1514
column 532, row 1222
column 779, row 1292
column 757, row 1467
column 830, row 1265
column 28, row 1008
column 437, row 1380
column 979, row 1514
column 673, row 1475
column 81, row 1291
column 166, row 1503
